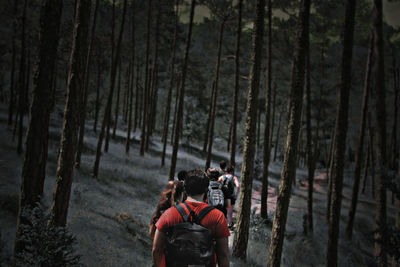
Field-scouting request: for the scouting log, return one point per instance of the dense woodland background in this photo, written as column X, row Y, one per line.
column 313, row 85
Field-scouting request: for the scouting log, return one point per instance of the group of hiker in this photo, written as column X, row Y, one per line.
column 190, row 226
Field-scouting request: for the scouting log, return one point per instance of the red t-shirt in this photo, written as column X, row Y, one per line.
column 214, row 220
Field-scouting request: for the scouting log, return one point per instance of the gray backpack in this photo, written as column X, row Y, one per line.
column 215, row 195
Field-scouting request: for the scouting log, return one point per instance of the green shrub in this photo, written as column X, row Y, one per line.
column 45, row 245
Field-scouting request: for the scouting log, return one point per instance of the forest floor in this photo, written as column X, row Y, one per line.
column 109, row 216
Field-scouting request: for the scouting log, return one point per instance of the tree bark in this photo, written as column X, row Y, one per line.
column 380, row 129
column 357, row 168
column 393, row 139
column 214, row 105
column 277, row 132
column 107, row 111
column 171, row 84
column 207, row 132
column 65, row 165
column 97, row 107
column 117, row 103
column 86, row 89
column 22, row 80
column 176, row 111
column 272, row 117
column 243, row 217
column 34, row 166
column 310, row 145
column 136, row 121
column 267, row 128
column 341, row 133
column 13, row 59
column 154, row 95
column 146, row 85
column 289, row 164
column 366, row 164
column 130, row 87
column 108, row 123
column 181, row 95
column 372, row 156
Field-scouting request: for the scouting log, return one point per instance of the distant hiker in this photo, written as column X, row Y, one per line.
column 215, row 194
column 181, row 177
column 230, row 187
column 172, row 195
column 186, row 233
column 222, row 167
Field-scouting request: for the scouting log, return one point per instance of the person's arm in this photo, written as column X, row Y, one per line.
column 222, row 251
column 158, row 247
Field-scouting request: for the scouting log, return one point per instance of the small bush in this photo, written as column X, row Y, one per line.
column 258, row 227
column 45, row 245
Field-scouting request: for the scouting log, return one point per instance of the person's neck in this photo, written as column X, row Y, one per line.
column 195, row 198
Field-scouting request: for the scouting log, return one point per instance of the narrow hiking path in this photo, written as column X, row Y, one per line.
column 109, row 215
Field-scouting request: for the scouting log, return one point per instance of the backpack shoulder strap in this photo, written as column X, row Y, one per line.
column 183, row 212
column 203, row 213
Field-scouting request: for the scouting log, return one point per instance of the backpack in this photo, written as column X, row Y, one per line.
column 189, row 243
column 229, row 186
column 215, row 195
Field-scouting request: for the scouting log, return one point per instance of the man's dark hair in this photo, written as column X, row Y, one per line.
column 196, row 182
column 222, row 164
column 230, row 170
column 213, row 174
column 182, row 175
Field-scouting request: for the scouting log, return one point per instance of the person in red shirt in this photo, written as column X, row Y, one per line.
column 196, row 184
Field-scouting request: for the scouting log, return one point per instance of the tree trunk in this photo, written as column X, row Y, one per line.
column 130, row 87
column 214, row 99
column 13, row 59
column 34, row 166
column 329, row 173
column 381, row 163
column 289, row 164
column 146, row 85
column 243, row 217
column 340, row 135
column 154, row 96
column 22, row 81
column 372, row 155
column 97, row 107
column 357, row 168
column 366, row 164
column 267, row 129
column 171, row 84
column 137, row 98
column 272, row 118
column 65, row 165
column 393, row 139
column 277, row 132
column 117, row 103
column 181, row 95
column 258, row 126
column 108, row 123
column 207, row 132
column 107, row 111
column 86, row 89
column 176, row 111
column 310, row 145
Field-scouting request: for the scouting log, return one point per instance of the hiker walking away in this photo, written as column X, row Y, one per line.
column 222, row 167
column 172, row 195
column 230, row 185
column 181, row 177
column 186, row 233
column 215, row 195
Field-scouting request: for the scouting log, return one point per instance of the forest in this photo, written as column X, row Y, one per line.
column 103, row 102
